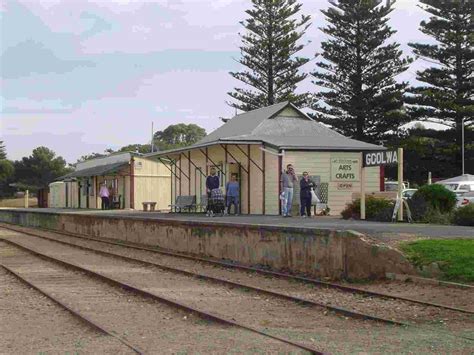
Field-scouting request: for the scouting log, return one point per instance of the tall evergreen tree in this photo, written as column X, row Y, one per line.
column 360, row 96
column 448, row 95
column 3, row 151
column 269, row 47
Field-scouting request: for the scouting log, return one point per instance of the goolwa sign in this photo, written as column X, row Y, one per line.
column 383, row 157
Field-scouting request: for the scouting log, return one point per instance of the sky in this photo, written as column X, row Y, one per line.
column 82, row 76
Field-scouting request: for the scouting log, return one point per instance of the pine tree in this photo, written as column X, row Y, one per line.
column 268, row 53
column 3, row 151
column 448, row 95
column 360, row 97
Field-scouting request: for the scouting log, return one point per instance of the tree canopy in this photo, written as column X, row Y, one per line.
column 268, row 54
column 178, row 135
column 447, row 95
column 3, row 151
column 359, row 95
column 39, row 169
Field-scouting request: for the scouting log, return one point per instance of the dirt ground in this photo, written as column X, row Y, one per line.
column 154, row 327
column 385, row 308
column 309, row 325
column 33, row 324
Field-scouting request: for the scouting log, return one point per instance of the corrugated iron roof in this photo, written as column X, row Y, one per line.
column 100, row 170
column 281, row 131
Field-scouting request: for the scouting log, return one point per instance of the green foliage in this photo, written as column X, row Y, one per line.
column 268, row 53
column 447, row 95
column 140, row 148
column 178, row 135
column 7, row 174
column 375, row 209
column 438, row 197
column 464, row 216
column 39, row 169
column 454, row 256
column 434, row 216
column 360, row 97
column 3, row 151
column 418, row 207
column 427, row 150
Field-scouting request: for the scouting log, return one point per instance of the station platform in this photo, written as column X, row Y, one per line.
column 383, row 231
column 320, row 247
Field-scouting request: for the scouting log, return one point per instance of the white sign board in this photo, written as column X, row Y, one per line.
column 385, row 157
column 345, row 169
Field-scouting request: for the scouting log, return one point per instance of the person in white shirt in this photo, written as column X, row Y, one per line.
column 104, row 194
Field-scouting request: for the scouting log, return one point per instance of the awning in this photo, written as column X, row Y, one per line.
column 100, row 170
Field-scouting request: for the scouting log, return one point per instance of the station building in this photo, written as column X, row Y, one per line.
column 257, row 146
column 133, row 178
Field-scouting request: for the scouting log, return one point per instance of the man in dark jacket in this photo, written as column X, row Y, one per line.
column 212, row 182
column 305, row 195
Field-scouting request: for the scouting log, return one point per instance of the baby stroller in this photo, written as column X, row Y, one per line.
column 216, row 204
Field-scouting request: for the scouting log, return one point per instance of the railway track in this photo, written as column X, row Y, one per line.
column 298, row 300
column 318, row 283
column 66, row 282
column 94, row 324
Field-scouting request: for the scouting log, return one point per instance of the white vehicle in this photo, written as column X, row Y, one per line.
column 464, row 199
column 393, row 186
column 408, row 193
column 463, row 183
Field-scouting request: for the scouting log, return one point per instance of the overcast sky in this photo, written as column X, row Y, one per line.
column 81, row 76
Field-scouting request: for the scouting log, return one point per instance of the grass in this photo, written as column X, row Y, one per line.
column 455, row 257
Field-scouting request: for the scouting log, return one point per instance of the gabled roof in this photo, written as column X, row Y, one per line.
column 99, row 170
column 282, row 126
column 244, row 123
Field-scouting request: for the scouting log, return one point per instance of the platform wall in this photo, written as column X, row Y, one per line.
column 319, row 253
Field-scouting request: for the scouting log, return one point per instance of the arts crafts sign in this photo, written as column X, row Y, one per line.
column 344, row 169
column 385, row 157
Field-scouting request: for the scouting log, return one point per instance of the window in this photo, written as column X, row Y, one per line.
column 451, row 187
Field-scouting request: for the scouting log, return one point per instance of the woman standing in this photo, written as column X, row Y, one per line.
column 305, row 195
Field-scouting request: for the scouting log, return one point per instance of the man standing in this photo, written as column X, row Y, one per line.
column 212, row 183
column 104, row 195
column 305, row 195
column 288, row 178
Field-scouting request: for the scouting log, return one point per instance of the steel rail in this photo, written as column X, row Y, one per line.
column 170, row 302
column 294, row 299
column 75, row 313
column 252, row 269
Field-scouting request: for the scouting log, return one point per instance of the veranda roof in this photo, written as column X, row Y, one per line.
column 100, row 170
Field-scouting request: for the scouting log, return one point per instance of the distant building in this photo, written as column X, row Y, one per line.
column 132, row 178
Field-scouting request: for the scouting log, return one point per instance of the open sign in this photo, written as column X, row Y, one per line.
column 385, row 157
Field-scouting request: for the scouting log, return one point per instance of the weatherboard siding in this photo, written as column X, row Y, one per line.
column 152, row 183
column 319, row 164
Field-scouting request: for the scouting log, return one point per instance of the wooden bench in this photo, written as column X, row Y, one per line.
column 184, row 203
column 149, row 206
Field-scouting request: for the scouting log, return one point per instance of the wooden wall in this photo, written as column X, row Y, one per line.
column 152, row 183
column 319, row 163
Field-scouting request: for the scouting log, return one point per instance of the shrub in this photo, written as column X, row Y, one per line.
column 418, row 207
column 437, row 197
column 434, row 216
column 374, row 208
column 464, row 216
column 384, row 215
